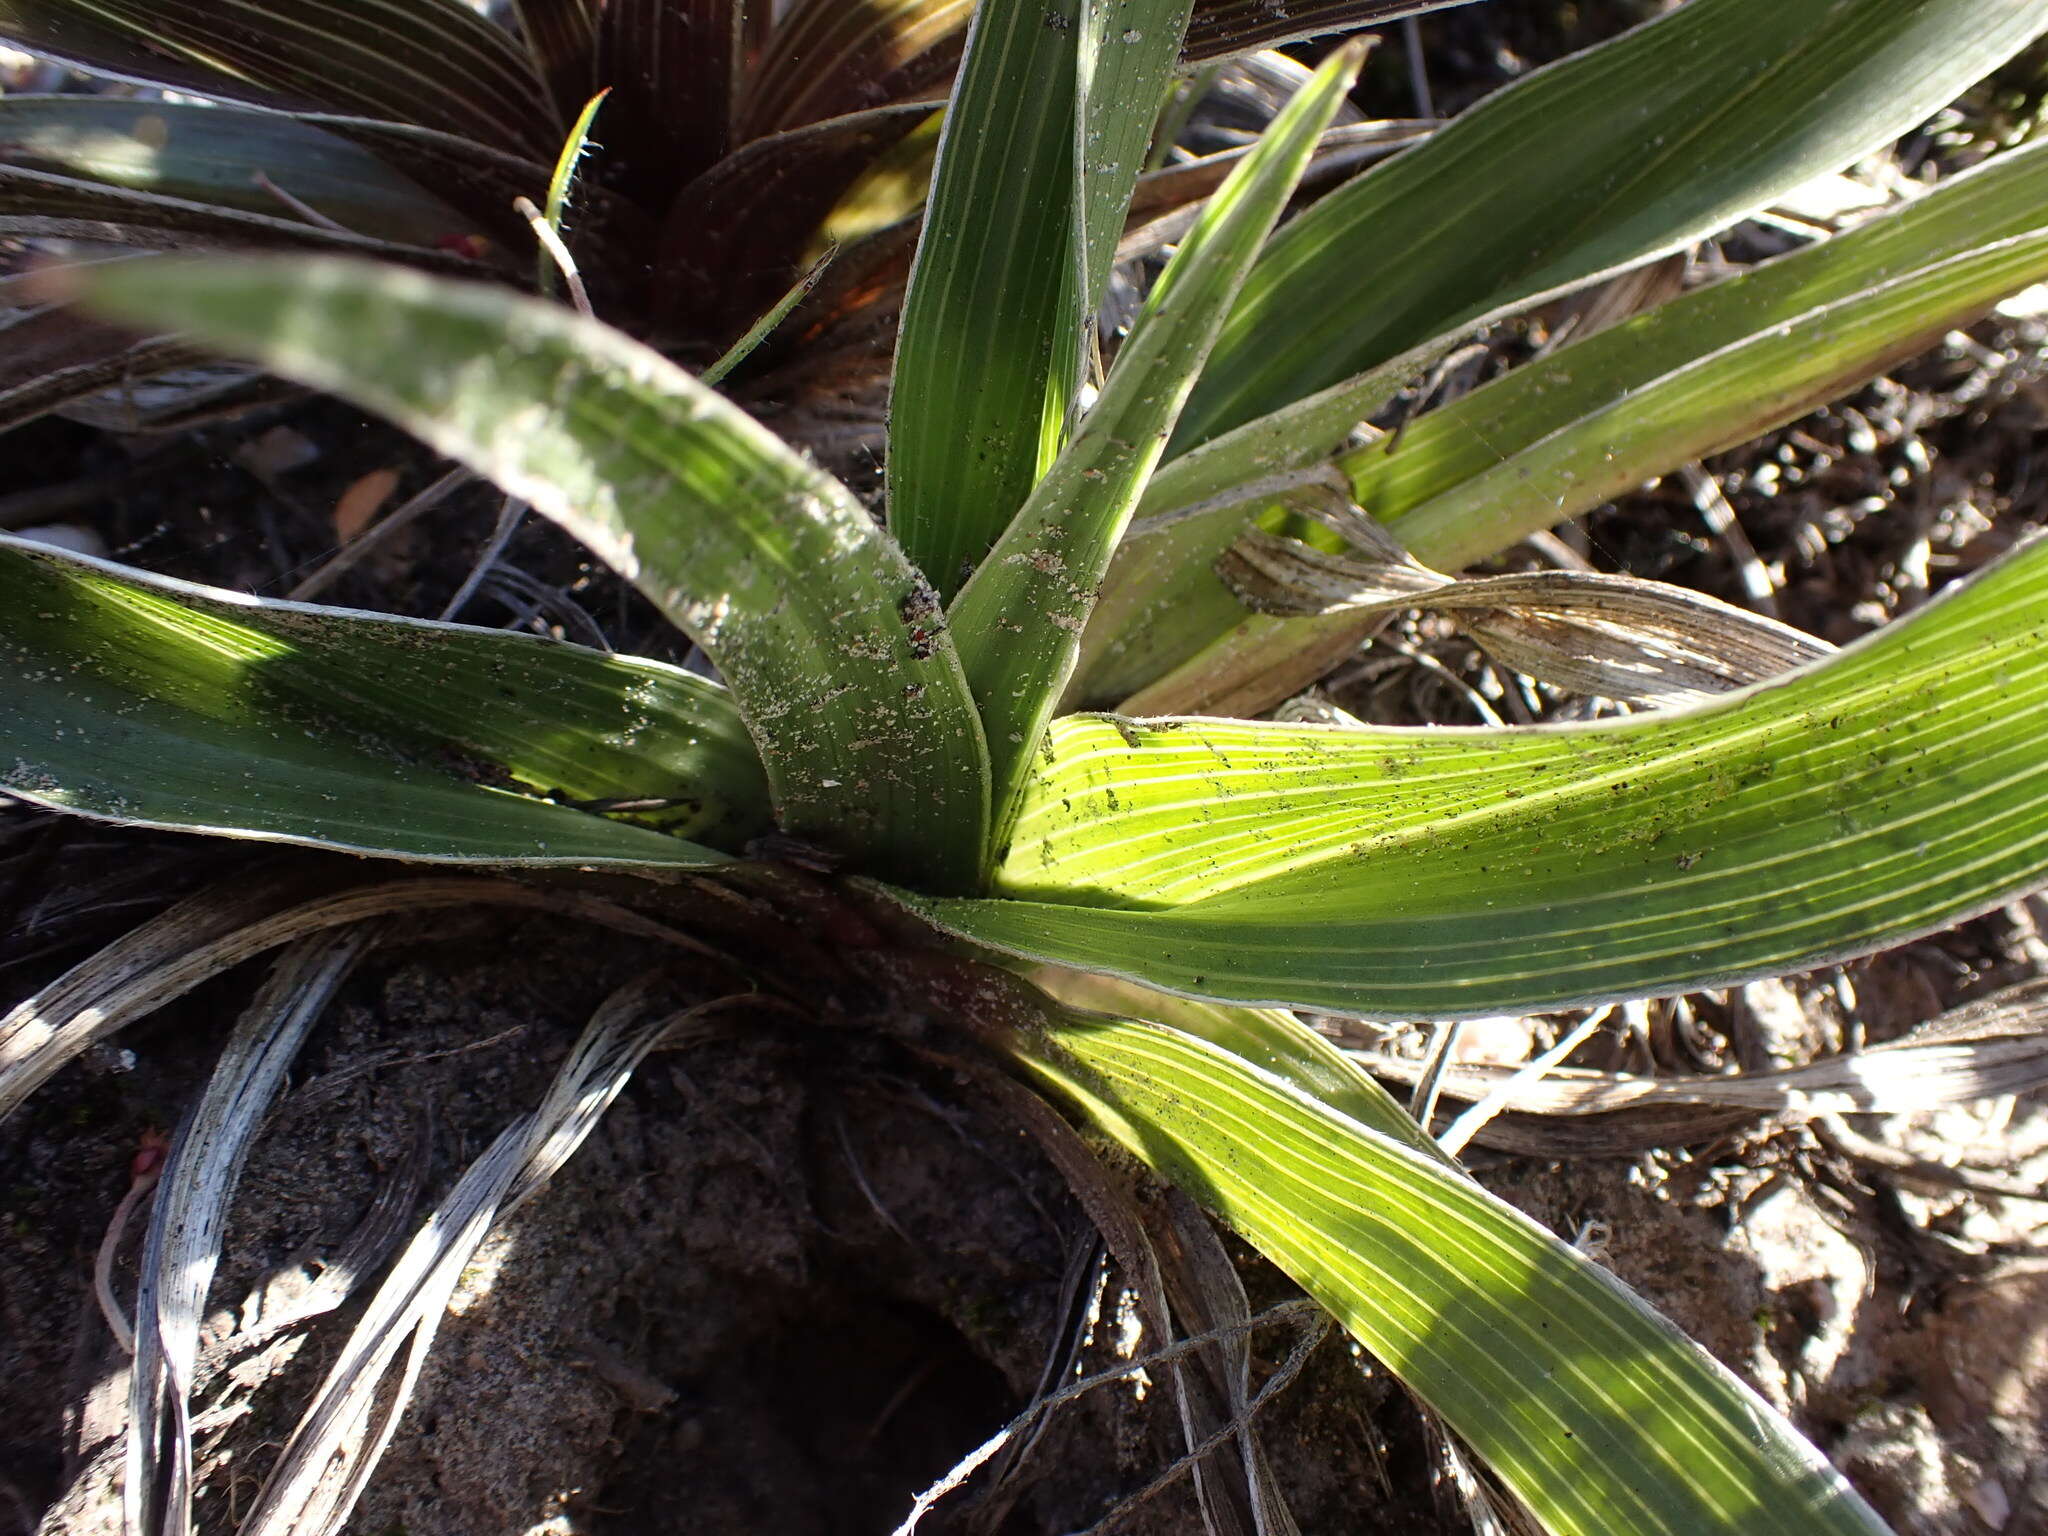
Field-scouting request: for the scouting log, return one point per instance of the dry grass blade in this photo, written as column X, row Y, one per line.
column 1996, row 1045
column 339, row 1440
column 1460, row 1131
column 186, row 1226
column 53, row 356
column 1209, row 1301
column 1164, row 1276
column 219, row 928
column 1615, row 637
column 1312, row 1326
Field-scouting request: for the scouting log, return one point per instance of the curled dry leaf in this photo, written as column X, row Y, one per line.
column 362, row 501
column 1981, row 1049
column 1590, row 632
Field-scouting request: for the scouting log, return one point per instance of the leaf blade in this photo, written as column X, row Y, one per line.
column 671, row 68
column 1225, row 27
column 862, row 716
column 1892, row 789
column 209, row 154
column 1600, row 1415
column 1557, row 436
column 432, row 62
column 1739, row 100
column 157, row 703
column 988, row 353
column 1018, row 621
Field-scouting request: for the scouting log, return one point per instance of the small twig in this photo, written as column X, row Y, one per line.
column 1474, row 1120
column 330, row 1083
column 897, row 1399
column 510, row 515
column 558, row 252
column 1718, row 513
column 1481, row 706
column 974, row 1460
column 1418, row 67
column 352, row 554
column 305, row 211
column 860, row 1179
column 1422, row 1102
column 1438, row 377
column 1304, row 1345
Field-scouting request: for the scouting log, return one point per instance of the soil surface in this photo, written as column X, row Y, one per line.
column 801, row 1268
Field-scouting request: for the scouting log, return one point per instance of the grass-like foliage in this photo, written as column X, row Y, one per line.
column 733, row 142
column 1120, row 909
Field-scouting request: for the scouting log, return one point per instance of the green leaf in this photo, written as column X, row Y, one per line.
column 1124, row 68
column 1040, row 148
column 570, row 161
column 213, row 156
column 51, row 357
column 1560, row 435
column 1018, row 622
column 1271, row 1039
column 761, row 329
column 828, row 58
column 1601, row 1417
column 1161, row 602
column 1709, row 370
column 157, row 703
column 1619, row 153
column 988, row 357
column 431, row 62
column 1894, row 788
column 568, row 165
column 826, row 636
column 45, row 204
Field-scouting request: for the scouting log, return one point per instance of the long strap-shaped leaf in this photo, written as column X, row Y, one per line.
column 1272, row 1039
column 1602, row 1417
column 1614, row 155
column 44, row 203
column 432, row 62
column 1708, row 370
column 1018, row 622
column 828, row 59
column 1225, row 27
column 671, row 67
column 1042, row 145
column 210, row 154
column 52, row 356
column 1896, row 787
column 736, row 237
column 988, row 358
column 561, row 37
column 1122, row 71
column 826, row 636
column 159, row 703
column 1557, row 436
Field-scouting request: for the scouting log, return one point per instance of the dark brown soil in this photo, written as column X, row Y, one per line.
column 800, row 1270
column 794, row 1276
